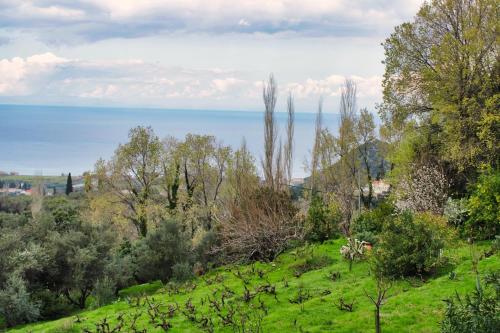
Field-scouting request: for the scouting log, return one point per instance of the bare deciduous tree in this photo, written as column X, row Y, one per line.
column 346, row 145
column 316, row 152
column 259, row 227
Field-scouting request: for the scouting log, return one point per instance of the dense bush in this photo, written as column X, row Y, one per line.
column 476, row 312
column 15, row 205
column 182, row 271
column 368, row 225
column 322, row 221
column 155, row 255
column 410, row 245
column 484, row 216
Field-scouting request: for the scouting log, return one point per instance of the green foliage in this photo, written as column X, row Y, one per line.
column 310, row 263
column 476, row 312
column 69, row 184
column 16, row 306
column 483, row 206
column 456, row 212
column 12, row 221
column 104, row 291
column 448, row 79
column 65, row 211
column 81, row 256
column 155, row 255
column 410, row 245
column 368, row 225
column 15, row 205
column 182, row 271
column 141, row 289
column 322, row 220
column 307, row 302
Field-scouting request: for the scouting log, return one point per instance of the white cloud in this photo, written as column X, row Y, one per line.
column 369, row 87
column 20, row 76
column 135, row 82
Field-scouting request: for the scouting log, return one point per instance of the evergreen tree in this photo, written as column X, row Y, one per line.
column 69, row 184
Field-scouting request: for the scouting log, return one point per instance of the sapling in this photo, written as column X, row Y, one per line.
column 379, row 300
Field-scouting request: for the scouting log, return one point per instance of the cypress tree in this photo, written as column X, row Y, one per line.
column 69, row 184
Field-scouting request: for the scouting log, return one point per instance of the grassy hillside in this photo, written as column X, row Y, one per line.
column 414, row 305
column 35, row 179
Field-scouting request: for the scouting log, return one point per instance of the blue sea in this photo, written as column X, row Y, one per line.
column 51, row 140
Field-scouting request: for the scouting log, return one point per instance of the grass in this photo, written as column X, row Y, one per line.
column 307, row 303
column 34, row 179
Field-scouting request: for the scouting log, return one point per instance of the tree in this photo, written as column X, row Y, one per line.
column 423, row 188
column 206, row 163
column 379, row 300
column 69, row 184
column 16, row 305
column 315, row 160
column 87, row 182
column 269, row 95
column 339, row 156
column 484, row 216
column 134, row 171
column 441, row 78
column 155, row 255
column 171, row 166
column 81, row 256
column 289, row 145
column 242, row 175
column 365, row 130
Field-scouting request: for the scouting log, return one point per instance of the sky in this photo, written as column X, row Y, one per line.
column 194, row 54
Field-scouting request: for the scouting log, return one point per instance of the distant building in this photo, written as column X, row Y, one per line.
column 380, row 189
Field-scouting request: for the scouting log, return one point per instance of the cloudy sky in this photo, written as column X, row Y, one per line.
column 211, row 54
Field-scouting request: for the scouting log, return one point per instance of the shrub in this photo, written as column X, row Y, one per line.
column 476, row 312
column 410, row 245
column 311, row 263
column 16, row 305
column 322, row 220
column 15, row 205
column 104, row 291
column 182, row 272
column 484, row 215
column 368, row 225
column 155, row 255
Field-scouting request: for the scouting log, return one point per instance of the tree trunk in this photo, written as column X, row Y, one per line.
column 377, row 320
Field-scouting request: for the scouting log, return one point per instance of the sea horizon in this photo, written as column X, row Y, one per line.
column 56, row 139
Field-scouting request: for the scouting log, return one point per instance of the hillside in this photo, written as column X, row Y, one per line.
column 302, row 303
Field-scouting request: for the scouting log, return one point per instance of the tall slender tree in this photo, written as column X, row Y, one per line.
column 269, row 95
column 289, row 145
column 315, row 161
column 69, row 184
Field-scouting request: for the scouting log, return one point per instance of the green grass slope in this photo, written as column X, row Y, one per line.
column 413, row 306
